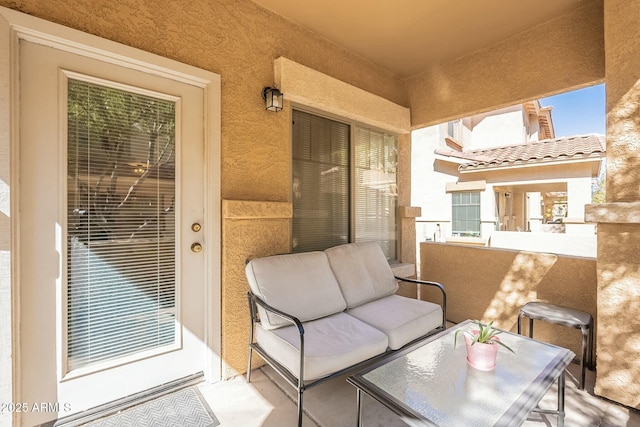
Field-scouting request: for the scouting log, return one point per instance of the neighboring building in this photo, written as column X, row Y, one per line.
column 503, row 171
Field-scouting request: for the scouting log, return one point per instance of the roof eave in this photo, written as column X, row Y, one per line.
column 596, row 157
column 450, row 159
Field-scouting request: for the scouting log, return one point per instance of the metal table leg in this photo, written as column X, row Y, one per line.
column 359, row 407
column 561, row 400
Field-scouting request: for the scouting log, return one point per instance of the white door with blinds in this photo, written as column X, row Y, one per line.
column 112, row 272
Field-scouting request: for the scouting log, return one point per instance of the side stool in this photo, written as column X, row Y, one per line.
column 564, row 316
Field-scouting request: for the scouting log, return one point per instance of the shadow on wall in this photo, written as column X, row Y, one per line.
column 519, row 285
column 619, row 305
column 618, row 256
column 619, row 337
column 492, row 284
column 623, row 123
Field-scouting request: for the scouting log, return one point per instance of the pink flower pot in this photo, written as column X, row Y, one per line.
column 479, row 355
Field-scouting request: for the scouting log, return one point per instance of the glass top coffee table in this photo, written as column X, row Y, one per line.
column 431, row 384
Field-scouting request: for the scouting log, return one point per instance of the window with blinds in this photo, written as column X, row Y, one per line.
column 120, row 224
column 466, row 214
column 375, row 188
column 342, row 194
column 320, row 182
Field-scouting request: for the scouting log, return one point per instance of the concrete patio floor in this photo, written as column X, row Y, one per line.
column 270, row 402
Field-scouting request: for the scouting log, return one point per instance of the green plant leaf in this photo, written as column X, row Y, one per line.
column 486, row 335
column 505, row 346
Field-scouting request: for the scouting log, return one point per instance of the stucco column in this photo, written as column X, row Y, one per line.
column 618, row 265
column 250, row 229
column 406, row 215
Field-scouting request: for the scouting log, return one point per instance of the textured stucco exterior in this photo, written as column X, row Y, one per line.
column 492, row 284
column 564, row 53
column 622, row 103
column 618, row 222
column 316, row 90
column 406, row 213
column 240, row 41
column 249, row 230
column 229, row 38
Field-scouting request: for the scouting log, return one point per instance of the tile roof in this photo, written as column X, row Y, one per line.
column 545, row 151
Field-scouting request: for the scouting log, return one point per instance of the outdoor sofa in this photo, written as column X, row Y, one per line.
column 317, row 315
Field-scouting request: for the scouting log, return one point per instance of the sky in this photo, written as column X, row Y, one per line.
column 578, row 112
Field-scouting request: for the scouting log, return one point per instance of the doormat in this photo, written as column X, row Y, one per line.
column 183, row 408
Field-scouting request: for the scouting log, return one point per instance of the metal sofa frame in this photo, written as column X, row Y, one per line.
column 296, row 380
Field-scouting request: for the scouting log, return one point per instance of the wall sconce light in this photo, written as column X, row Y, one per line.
column 273, row 99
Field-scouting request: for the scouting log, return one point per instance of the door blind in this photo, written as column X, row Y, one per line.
column 121, row 242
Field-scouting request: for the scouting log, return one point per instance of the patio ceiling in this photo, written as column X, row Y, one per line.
column 408, row 36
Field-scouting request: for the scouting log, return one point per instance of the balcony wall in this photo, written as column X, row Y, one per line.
column 582, row 245
column 492, row 284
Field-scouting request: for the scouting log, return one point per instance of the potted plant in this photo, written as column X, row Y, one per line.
column 482, row 345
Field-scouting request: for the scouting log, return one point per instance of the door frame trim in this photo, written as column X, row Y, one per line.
column 16, row 26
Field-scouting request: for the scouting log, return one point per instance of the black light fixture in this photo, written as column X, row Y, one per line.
column 273, row 98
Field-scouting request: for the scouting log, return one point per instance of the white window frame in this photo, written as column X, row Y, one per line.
column 453, row 221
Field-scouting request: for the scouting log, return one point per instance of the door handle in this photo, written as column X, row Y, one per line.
column 196, row 247
column 196, row 227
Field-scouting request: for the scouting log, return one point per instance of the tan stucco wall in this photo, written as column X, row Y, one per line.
column 313, row 89
column 239, row 41
column 406, row 213
column 618, row 313
column 249, row 230
column 492, row 284
column 619, row 219
column 564, row 53
column 622, row 102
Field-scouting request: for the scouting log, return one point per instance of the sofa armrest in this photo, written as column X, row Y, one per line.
column 254, row 299
column 435, row 284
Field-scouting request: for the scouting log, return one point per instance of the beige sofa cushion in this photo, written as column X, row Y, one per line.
column 330, row 345
column 402, row 319
column 363, row 272
column 302, row 285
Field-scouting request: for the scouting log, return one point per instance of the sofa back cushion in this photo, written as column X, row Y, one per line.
column 363, row 272
column 302, row 285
